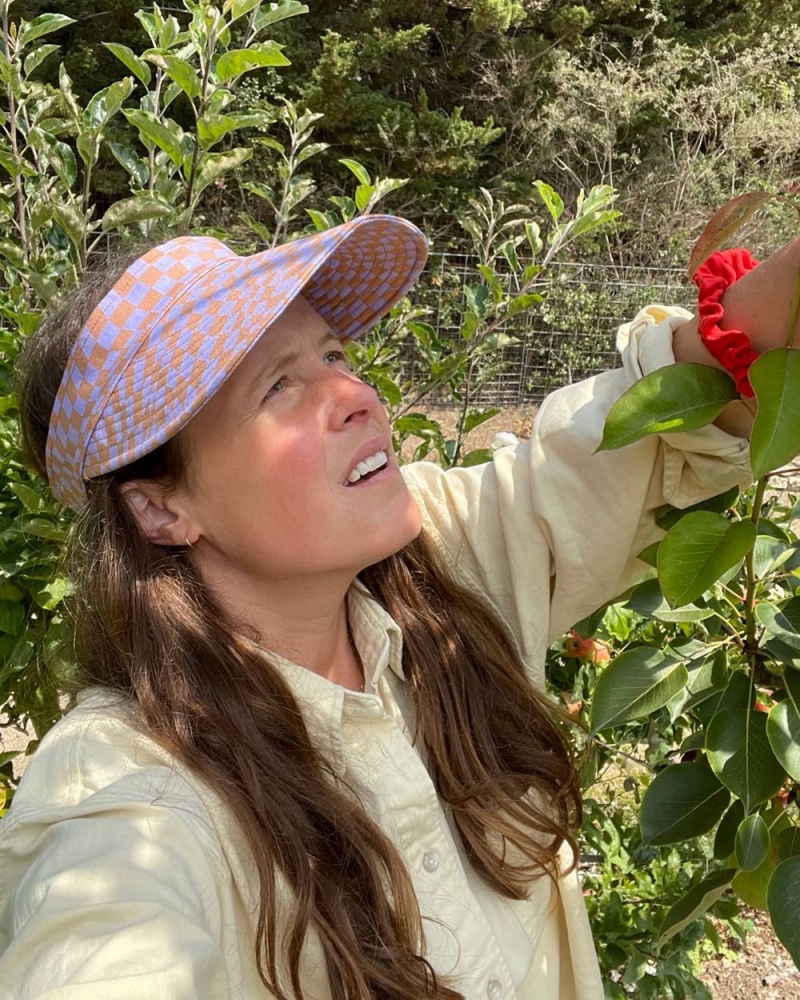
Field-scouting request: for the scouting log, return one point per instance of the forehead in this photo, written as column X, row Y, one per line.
column 298, row 325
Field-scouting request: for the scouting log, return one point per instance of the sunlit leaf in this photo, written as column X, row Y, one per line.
column 179, row 71
column 130, row 210
column 128, row 57
column 697, row 551
column 724, row 223
column 695, row 903
column 233, row 63
column 214, row 165
column 775, row 440
column 637, row 683
column 29, row 31
column 680, row 397
column 157, row 133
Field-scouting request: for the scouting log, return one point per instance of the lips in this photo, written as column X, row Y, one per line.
column 369, row 448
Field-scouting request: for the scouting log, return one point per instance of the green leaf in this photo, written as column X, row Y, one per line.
column 12, row 617
column 364, row 193
column 783, row 900
column 71, row 221
column 235, row 62
column 138, row 209
column 214, row 165
column 775, row 440
column 523, row 302
column 42, row 529
column 38, row 56
column 695, row 903
column 787, row 843
column 478, row 456
column 725, row 837
column 131, row 161
column 683, row 801
column 358, row 170
column 44, row 24
column 88, row 145
column 31, row 500
column 679, row 397
column 282, row 10
column 782, row 623
column 636, row 683
column 131, row 61
column 179, row 71
column 697, row 551
column 212, row 128
column 740, row 754
column 154, row 132
column 106, row 103
column 752, row 843
column 551, row 199
column 65, row 86
column 783, row 726
column 647, row 599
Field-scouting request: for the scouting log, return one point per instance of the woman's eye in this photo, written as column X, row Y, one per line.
column 275, row 387
column 338, row 356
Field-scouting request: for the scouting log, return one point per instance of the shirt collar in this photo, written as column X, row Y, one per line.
column 325, row 705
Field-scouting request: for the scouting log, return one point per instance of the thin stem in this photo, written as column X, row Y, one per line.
column 750, row 596
column 212, row 42
column 12, row 127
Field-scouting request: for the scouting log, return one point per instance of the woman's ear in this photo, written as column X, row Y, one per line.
column 160, row 520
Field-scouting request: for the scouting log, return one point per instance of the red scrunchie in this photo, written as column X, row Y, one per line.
column 731, row 348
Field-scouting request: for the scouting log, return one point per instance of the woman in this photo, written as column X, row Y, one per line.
column 312, row 757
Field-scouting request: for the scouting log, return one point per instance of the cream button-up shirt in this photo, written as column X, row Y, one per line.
column 123, row 876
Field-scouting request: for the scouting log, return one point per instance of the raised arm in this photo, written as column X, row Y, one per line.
column 760, row 304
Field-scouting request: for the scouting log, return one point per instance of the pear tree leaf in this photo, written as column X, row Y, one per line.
column 697, row 551
column 783, row 902
column 637, row 683
column 775, row 440
column 679, row 397
column 682, row 801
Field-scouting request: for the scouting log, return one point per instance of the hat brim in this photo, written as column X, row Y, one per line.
column 351, row 275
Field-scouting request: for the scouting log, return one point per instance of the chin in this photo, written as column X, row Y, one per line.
column 390, row 542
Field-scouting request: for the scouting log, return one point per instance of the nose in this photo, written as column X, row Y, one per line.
column 349, row 399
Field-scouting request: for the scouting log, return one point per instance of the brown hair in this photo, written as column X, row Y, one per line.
column 147, row 626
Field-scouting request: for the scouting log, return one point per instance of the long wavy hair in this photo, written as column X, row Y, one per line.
column 147, row 626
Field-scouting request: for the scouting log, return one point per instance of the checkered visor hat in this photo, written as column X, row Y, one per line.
column 181, row 318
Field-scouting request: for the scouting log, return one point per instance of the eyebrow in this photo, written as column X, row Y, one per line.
column 276, row 364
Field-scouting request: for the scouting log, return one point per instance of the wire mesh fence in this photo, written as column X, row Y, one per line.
column 568, row 337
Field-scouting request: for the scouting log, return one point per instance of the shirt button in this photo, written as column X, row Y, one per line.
column 430, row 861
column 494, row 990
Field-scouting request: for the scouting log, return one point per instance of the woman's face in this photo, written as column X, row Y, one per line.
column 271, row 454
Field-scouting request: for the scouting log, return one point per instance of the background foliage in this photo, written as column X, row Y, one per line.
column 499, row 125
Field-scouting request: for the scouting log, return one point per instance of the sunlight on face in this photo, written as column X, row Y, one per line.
column 271, row 453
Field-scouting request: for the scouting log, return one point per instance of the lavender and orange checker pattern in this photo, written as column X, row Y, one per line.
column 179, row 320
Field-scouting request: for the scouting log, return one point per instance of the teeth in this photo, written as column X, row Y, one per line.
column 369, row 464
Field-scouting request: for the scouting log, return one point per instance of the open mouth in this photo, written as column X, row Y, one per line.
column 368, row 468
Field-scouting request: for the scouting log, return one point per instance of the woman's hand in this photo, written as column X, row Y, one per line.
column 760, row 304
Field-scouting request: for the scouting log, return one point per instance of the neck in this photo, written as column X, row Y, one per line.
column 305, row 623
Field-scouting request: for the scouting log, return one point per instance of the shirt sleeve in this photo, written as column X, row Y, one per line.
column 109, row 899
column 550, row 529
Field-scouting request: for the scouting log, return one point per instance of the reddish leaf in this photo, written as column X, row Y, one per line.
column 724, row 223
